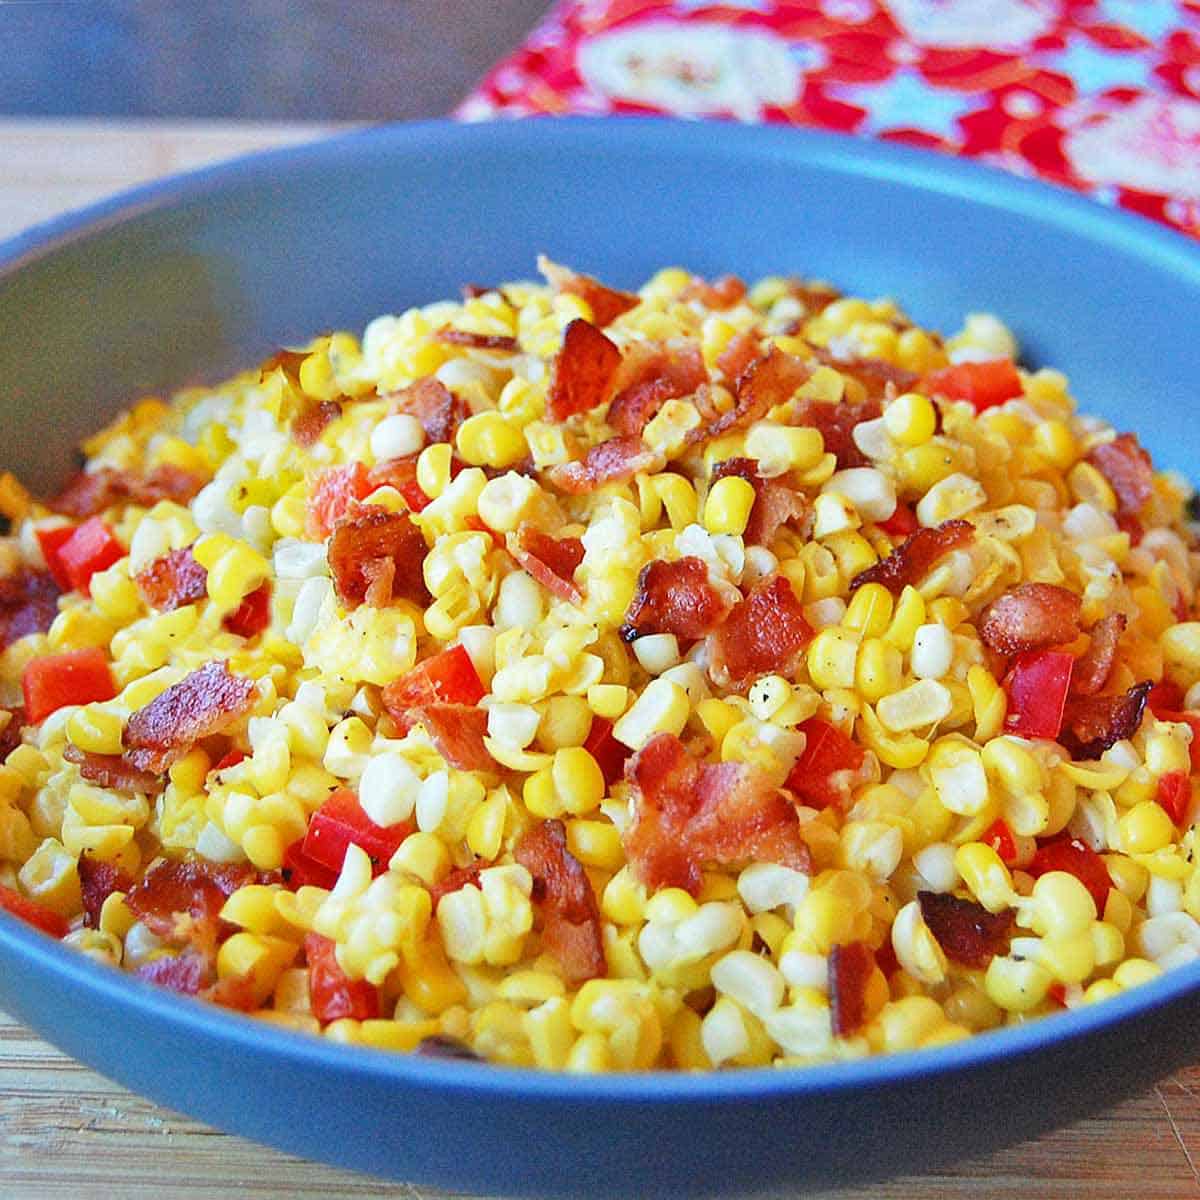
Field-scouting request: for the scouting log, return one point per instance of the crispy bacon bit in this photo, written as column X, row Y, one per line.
column 816, row 297
column 740, row 351
column 648, row 377
column 438, row 409
column 766, row 632
column 1094, row 665
column 687, row 814
column 112, row 771
column 850, row 969
column 28, row 604
column 207, row 701
column 875, row 374
column 459, row 877
column 583, row 371
column 10, row 731
column 675, row 597
column 89, row 493
column 1091, row 724
column 767, row 381
column 97, row 881
column 606, row 303
column 617, row 459
column 180, row 900
column 775, row 503
column 563, row 892
column 724, row 292
column 965, row 930
column 551, row 561
column 457, row 730
column 478, row 341
column 309, row 426
column 1030, row 616
column 377, row 556
column 836, row 423
column 185, row 973
column 172, row 581
column 1128, row 469
column 915, row 557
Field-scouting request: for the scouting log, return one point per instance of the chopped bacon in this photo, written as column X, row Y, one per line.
column 334, row 494
column 377, row 556
column 606, row 303
column 564, row 895
column 112, row 771
column 675, row 597
column 816, row 297
column 1093, row 667
column 207, row 701
column 965, row 930
column 172, row 581
column 775, row 503
column 740, row 351
column 502, row 343
column 850, row 969
column 89, row 493
column 612, row 461
column 722, row 293
column 766, row 632
column 583, row 371
column 649, row 376
column 767, row 381
column 308, row 426
column 836, row 423
column 875, row 375
column 458, row 878
column 610, row 755
column 97, row 881
column 1030, row 616
column 185, row 973
column 551, row 561
column 28, row 604
column 687, row 814
column 401, row 474
column 1091, row 724
column 10, row 731
column 1128, row 468
column 438, row 409
column 180, row 900
column 457, row 730
column 913, row 559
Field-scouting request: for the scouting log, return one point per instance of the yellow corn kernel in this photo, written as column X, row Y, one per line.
column 907, row 619
column 787, row 447
column 832, row 656
column 589, row 1055
column 578, row 779
column 433, row 469
column 624, row 898
column 678, row 498
column 1180, row 645
column 95, row 730
column 661, row 708
column 1016, row 985
column 985, row 875
column 824, row 919
column 489, row 439
column 1016, row 768
column 608, row 700
column 1088, row 486
column 428, row 980
column 1055, row 442
column 485, row 829
column 77, row 627
column 852, row 552
column 869, row 611
column 50, row 876
column 989, row 701
column 115, row 594
column 253, row 908
column 907, row 1023
column 423, row 855
column 1145, row 828
column 727, row 507
column 289, row 512
column 1059, row 907
column 920, row 467
column 256, row 958
column 910, row 419
column 900, row 750
column 264, row 847
column 116, row 917
column 1135, row 971
column 596, row 844
column 566, row 721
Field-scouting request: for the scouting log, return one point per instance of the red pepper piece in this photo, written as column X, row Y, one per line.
column 446, row 678
column 332, row 993
column 76, row 677
column 1065, row 853
column 33, row 913
column 90, row 548
column 51, row 542
column 1000, row 838
column 609, row 754
column 1164, row 698
column 982, row 384
column 301, row 871
column 230, row 758
column 901, row 523
column 253, row 615
column 827, row 751
column 1037, row 687
column 341, row 821
column 1175, row 795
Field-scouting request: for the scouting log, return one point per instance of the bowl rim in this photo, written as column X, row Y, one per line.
column 852, row 156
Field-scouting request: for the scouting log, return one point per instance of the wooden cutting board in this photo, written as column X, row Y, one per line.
column 65, row 1131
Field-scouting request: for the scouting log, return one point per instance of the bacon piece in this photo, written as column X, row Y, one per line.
column 617, row 459
column 91, row 492
column 180, row 900
column 766, row 632
column 457, row 730
column 401, row 474
column 816, row 297
column 28, row 604
column 112, row 771
column 207, row 701
column 10, row 731
column 563, row 892
column 1093, row 667
column 377, row 556
column 767, row 381
column 965, row 930
column 775, row 503
column 477, row 341
column 458, row 878
column 675, row 597
column 915, row 557
column 309, row 425
column 97, row 881
column 583, row 371
column 740, row 351
column 850, row 969
column 438, row 409
column 722, row 293
column 687, row 814
column 1128, row 469
column 1091, row 724
column 551, row 561
column 836, row 423
column 875, row 374
column 185, row 973
column 648, row 377
column 606, row 303
column 172, row 581
column 1030, row 616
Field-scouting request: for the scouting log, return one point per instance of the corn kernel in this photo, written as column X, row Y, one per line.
column 910, row 419
column 832, row 656
column 727, row 508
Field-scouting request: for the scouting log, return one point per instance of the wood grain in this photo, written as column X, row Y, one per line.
column 66, row 1132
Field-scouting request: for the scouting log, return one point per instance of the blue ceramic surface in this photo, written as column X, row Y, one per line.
column 193, row 278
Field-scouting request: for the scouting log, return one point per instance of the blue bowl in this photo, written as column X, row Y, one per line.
column 191, row 279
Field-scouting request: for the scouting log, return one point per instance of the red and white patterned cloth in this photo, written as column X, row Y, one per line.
column 1098, row 95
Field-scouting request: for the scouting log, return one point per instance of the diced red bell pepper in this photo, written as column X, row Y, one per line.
column 301, row 871
column 901, row 523
column 91, row 547
column 33, row 913
column 1065, row 853
column 1037, row 687
column 446, row 678
column 1000, row 838
column 609, row 754
column 1175, row 794
column 76, row 677
column 826, row 751
column 983, row 384
column 341, row 821
column 1163, row 698
column 230, row 758
column 335, row 490
column 253, row 615
column 51, row 542
column 1058, row 993
column 331, row 992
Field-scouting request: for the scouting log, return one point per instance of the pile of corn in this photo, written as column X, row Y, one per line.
column 737, row 976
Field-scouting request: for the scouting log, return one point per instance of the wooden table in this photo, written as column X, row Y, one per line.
column 65, row 1131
